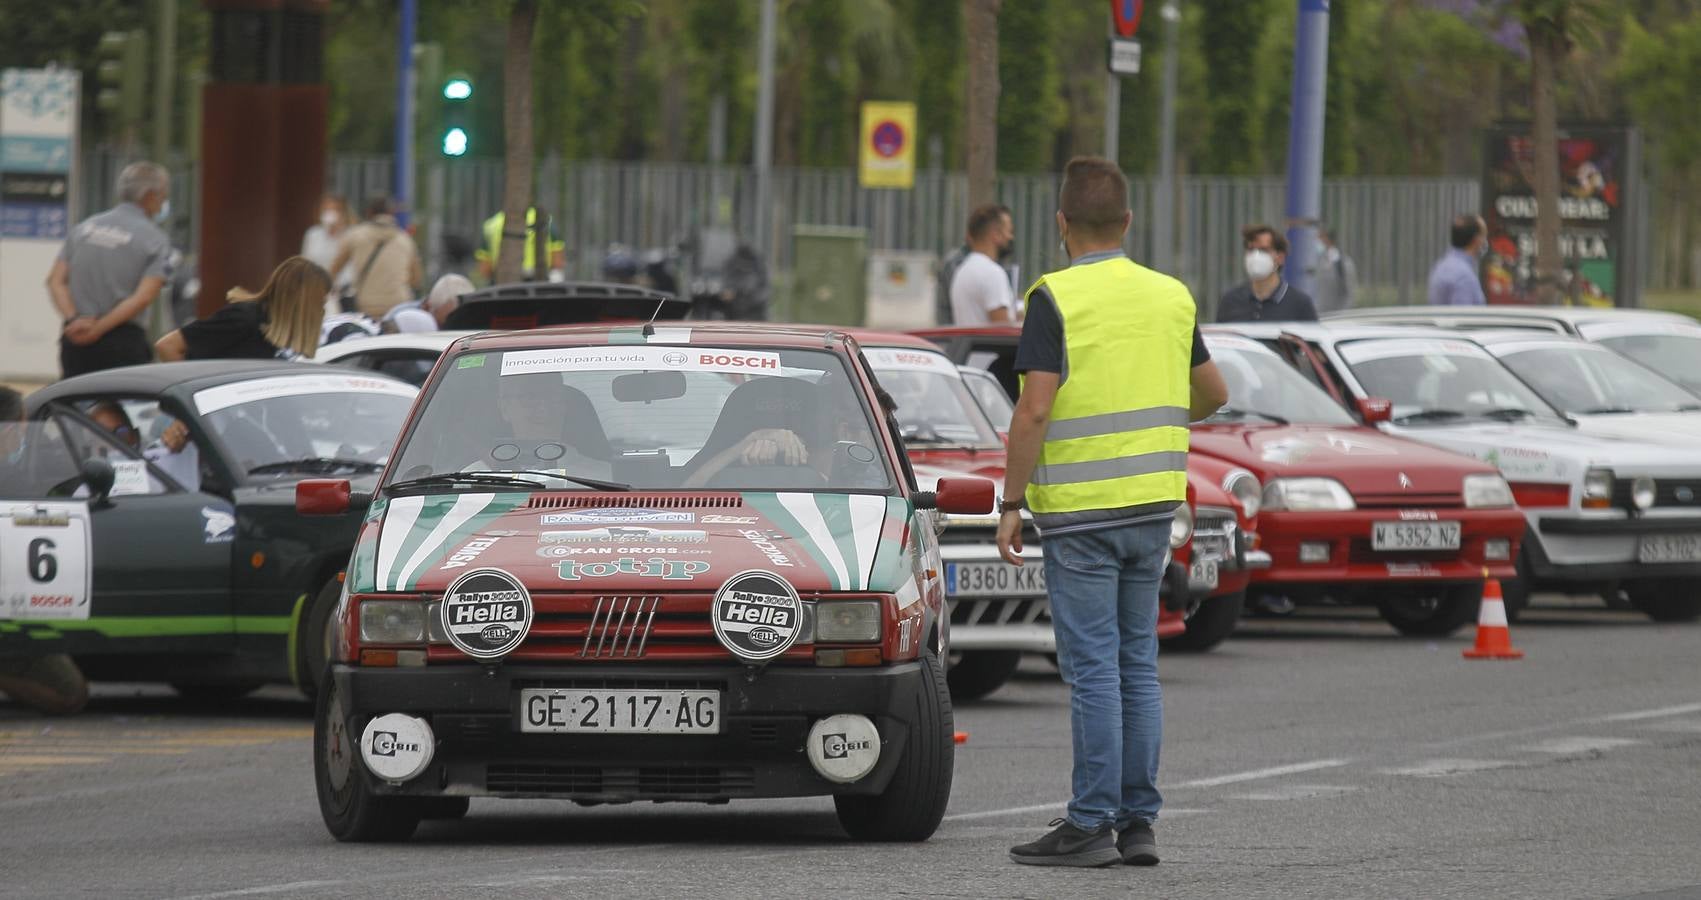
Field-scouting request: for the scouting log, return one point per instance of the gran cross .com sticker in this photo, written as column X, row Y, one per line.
column 654, row 567
column 486, row 613
column 218, row 526
column 619, row 516
column 563, row 551
column 615, row 534
column 764, row 542
column 397, row 747
column 757, row 615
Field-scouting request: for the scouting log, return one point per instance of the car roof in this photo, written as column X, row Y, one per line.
column 874, row 337
column 435, row 341
column 157, row 378
column 1521, row 336
column 1572, row 315
column 544, row 303
column 759, row 334
column 949, row 331
column 1321, row 331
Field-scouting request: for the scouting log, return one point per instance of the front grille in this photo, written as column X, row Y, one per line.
column 1409, row 500
column 611, row 635
column 611, row 782
column 1000, row 611
column 1213, row 533
column 1683, row 493
column 629, row 501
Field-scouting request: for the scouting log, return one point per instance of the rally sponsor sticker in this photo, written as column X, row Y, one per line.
column 653, row 567
column 237, row 393
column 397, row 746
column 642, row 358
column 486, row 613
column 843, row 747
column 890, row 359
column 757, row 615
column 619, row 516
column 618, row 534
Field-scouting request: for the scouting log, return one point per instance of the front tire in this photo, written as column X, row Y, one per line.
column 913, row 803
column 1436, row 615
column 977, row 673
column 351, row 811
column 313, row 638
column 1210, row 625
column 1667, row 599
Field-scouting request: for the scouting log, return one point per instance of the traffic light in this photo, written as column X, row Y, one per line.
column 457, row 93
column 122, row 72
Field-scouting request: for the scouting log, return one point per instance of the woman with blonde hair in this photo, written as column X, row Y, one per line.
column 280, row 322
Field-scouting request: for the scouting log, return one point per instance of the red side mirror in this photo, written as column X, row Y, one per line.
column 964, row 496
column 1375, row 409
column 322, row 497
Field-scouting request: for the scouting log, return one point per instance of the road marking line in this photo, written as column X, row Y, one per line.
column 1681, row 726
column 1298, row 792
column 266, row 889
column 1571, row 745
column 1255, row 774
column 1661, row 713
column 1054, row 806
column 1440, row 768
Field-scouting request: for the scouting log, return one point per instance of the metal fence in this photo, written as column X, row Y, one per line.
column 1393, row 229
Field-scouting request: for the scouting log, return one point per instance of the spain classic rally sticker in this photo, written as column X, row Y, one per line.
column 486, row 613
column 757, row 615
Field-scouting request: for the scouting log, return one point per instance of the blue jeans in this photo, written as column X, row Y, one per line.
column 1104, row 609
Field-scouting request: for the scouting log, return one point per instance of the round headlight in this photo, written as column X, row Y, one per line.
column 1642, row 492
column 1181, row 527
column 1243, row 486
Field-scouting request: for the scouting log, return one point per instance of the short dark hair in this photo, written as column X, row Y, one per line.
column 1278, row 241
column 1094, row 199
column 1466, row 227
column 11, row 405
column 984, row 217
column 376, row 205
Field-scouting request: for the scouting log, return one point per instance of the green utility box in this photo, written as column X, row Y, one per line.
column 829, row 276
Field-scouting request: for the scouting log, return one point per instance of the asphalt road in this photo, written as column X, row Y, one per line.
column 1317, row 756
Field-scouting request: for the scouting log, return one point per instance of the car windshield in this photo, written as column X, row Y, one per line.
column 1579, row 378
column 991, row 397
column 1261, row 384
column 935, row 407
column 1437, row 381
column 314, row 423
column 646, row 417
column 1677, row 356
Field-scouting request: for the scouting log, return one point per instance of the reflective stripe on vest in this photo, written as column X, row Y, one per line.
column 1118, row 432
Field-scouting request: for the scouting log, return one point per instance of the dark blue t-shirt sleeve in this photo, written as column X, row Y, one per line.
column 1041, row 346
column 1201, row 355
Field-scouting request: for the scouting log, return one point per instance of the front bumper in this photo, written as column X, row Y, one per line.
column 474, row 712
column 1352, row 558
column 1577, row 549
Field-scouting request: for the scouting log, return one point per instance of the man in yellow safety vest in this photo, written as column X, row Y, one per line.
column 1114, row 369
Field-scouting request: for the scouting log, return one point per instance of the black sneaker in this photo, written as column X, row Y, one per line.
column 1137, row 845
column 1067, row 845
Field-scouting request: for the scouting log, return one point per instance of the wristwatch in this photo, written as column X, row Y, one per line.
column 1005, row 506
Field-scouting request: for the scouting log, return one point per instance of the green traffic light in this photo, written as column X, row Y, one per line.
column 455, row 142
column 457, row 89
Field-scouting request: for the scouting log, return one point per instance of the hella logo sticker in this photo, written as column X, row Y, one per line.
column 757, row 615
column 486, row 613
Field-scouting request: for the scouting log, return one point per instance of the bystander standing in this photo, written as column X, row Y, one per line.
column 1265, row 296
column 980, row 288
column 386, row 268
column 1334, row 277
column 1454, row 281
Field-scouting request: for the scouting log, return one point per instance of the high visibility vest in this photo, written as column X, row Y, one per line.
column 1118, row 433
column 493, row 240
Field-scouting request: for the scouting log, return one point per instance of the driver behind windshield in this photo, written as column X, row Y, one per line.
column 774, row 421
column 551, row 427
column 174, row 453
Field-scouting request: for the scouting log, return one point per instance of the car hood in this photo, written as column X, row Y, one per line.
column 1551, row 453
column 1365, row 460
column 1656, row 428
column 636, row 544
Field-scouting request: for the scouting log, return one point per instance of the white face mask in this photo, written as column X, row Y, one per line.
column 1259, row 264
column 328, row 218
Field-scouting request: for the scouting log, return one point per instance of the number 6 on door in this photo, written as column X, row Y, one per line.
column 45, row 563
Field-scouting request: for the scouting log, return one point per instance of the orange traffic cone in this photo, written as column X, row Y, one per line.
column 1494, row 639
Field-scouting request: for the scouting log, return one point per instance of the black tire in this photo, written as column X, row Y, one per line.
column 312, row 640
column 351, row 811
column 1667, row 599
column 445, row 807
column 913, row 803
column 214, row 692
column 1515, row 592
column 1437, row 615
column 1210, row 625
column 976, row 673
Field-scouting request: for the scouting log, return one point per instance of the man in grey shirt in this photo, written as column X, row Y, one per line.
column 111, row 267
column 1454, row 281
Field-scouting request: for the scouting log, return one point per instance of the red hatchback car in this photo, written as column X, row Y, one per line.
column 1351, row 515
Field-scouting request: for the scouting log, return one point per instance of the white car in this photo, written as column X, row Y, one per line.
column 405, row 356
column 1605, row 514
column 1667, row 342
column 1599, row 389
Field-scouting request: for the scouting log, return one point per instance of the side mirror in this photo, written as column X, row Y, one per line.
column 964, row 496
column 323, row 497
column 97, row 473
column 1375, row 409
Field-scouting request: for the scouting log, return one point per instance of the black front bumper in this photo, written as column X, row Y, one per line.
column 474, row 713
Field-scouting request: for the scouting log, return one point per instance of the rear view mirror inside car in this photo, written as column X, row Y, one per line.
column 647, row 387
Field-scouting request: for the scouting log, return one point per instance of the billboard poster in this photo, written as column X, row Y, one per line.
column 1597, row 175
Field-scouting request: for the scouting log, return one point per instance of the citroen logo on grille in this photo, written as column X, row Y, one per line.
column 1405, row 481
column 1684, row 495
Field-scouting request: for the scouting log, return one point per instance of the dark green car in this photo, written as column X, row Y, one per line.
column 148, row 524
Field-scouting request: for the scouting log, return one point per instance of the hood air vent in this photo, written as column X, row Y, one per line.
column 640, row 501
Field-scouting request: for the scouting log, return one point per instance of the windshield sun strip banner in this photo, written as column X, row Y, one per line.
column 224, row 396
column 619, row 358
column 895, row 359
column 1355, row 352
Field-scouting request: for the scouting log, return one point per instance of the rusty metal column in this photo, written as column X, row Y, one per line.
column 263, row 139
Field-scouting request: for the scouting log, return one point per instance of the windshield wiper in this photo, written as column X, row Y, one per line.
column 316, row 462
column 1429, row 415
column 502, row 479
column 1507, row 413
column 1607, row 410
column 1235, row 412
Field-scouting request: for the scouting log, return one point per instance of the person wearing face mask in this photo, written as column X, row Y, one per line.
column 110, row 269
column 953, row 261
column 980, row 288
column 1265, row 296
column 320, row 242
column 1454, row 281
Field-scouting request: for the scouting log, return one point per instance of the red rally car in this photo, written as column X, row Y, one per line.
column 1350, row 514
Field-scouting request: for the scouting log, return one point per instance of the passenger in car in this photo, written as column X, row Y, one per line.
column 551, row 426
column 174, row 453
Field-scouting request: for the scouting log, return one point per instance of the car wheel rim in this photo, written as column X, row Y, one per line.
column 339, row 753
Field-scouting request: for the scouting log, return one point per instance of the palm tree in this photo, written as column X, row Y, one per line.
column 980, row 21
column 517, row 127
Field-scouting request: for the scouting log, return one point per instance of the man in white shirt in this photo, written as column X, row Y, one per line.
column 980, row 288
